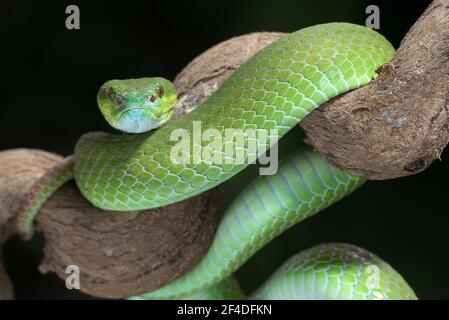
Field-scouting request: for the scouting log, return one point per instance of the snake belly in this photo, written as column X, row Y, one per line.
column 275, row 89
column 304, row 185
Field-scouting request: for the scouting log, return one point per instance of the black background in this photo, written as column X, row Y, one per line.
column 50, row 76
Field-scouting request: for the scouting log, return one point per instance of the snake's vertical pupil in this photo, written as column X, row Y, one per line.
column 160, row 90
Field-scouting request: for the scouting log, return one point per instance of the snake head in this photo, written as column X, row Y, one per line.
column 137, row 105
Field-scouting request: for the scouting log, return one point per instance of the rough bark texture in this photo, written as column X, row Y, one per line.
column 399, row 124
column 396, row 126
column 118, row 254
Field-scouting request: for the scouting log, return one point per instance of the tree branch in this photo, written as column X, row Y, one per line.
column 395, row 126
column 118, row 254
column 399, row 124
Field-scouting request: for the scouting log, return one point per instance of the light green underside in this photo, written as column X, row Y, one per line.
column 275, row 89
column 333, row 271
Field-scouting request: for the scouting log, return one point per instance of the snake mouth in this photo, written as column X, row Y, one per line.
column 124, row 112
column 135, row 120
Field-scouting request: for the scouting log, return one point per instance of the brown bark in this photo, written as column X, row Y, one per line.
column 396, row 126
column 118, row 254
column 399, row 124
column 18, row 170
column 6, row 291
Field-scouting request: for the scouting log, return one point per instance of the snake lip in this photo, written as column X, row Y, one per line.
column 127, row 110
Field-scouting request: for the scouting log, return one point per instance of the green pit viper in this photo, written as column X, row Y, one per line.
column 273, row 90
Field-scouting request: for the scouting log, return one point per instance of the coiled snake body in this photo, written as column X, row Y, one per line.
column 273, row 90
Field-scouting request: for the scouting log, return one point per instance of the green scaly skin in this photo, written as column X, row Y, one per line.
column 227, row 289
column 303, row 185
column 333, row 271
column 133, row 106
column 40, row 192
column 275, row 89
column 137, row 105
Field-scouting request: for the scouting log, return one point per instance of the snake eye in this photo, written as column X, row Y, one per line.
column 160, row 90
column 152, row 99
column 111, row 94
column 119, row 100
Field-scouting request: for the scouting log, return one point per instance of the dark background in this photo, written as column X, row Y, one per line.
column 50, row 76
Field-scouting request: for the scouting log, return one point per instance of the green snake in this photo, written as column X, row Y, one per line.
column 271, row 92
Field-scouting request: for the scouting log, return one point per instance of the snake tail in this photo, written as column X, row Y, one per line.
column 40, row 192
column 304, row 185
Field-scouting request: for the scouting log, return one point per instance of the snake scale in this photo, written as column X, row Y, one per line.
column 273, row 90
